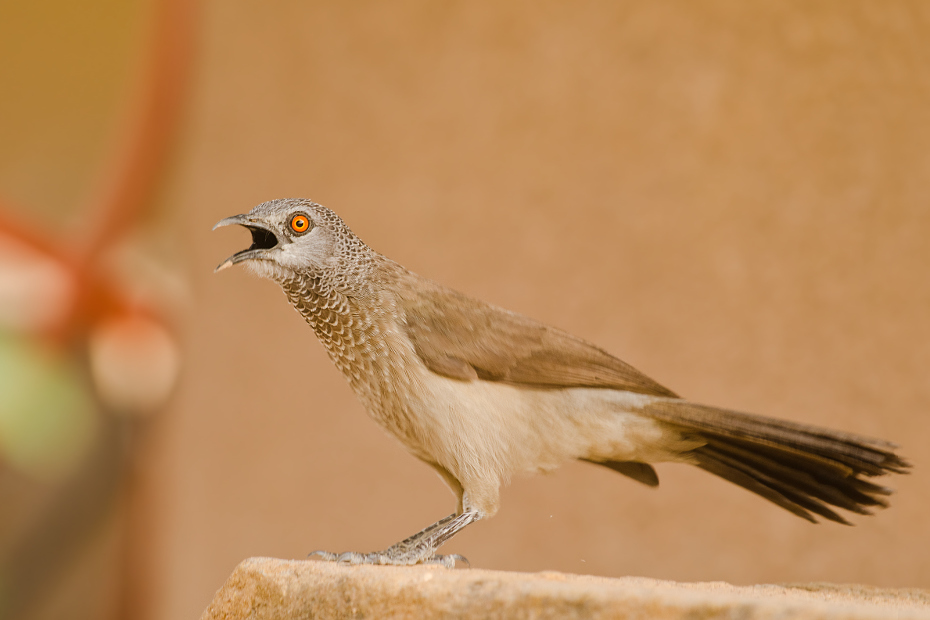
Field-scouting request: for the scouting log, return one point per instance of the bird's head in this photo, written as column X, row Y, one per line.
column 293, row 237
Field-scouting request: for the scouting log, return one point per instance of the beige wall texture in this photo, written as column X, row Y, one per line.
column 734, row 197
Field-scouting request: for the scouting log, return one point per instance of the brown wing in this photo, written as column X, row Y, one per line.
column 467, row 339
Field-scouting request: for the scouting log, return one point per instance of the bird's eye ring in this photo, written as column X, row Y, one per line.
column 300, row 223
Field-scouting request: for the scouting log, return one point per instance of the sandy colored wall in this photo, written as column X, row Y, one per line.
column 734, row 197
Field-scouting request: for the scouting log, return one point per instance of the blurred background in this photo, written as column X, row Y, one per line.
column 733, row 197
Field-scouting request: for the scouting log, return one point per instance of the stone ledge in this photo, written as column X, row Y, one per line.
column 265, row 588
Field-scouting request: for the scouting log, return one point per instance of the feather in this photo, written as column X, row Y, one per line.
column 450, row 331
column 640, row 472
column 801, row 468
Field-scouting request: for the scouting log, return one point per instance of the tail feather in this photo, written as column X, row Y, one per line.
column 708, row 463
column 789, row 492
column 798, row 467
column 838, row 491
column 843, row 490
column 640, row 472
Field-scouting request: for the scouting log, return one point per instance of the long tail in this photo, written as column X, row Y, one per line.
column 801, row 468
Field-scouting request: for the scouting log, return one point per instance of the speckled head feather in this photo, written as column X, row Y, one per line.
column 327, row 249
column 329, row 276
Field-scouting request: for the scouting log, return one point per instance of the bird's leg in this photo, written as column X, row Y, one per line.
column 417, row 549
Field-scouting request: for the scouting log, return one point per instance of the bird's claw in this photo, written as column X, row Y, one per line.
column 385, row 558
column 448, row 560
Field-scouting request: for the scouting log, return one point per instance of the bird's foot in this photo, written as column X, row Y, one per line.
column 391, row 557
column 418, row 549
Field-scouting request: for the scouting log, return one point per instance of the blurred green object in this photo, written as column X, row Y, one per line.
column 47, row 420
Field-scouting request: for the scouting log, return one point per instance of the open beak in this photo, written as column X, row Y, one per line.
column 263, row 239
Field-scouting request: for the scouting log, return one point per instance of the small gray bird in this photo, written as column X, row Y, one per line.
column 480, row 393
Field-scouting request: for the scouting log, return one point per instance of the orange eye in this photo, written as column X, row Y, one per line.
column 300, row 223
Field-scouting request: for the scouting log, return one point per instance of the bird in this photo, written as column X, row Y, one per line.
column 481, row 394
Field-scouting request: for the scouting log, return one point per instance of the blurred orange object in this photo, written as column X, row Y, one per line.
column 85, row 351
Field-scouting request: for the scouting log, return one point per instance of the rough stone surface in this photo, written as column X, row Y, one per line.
column 262, row 588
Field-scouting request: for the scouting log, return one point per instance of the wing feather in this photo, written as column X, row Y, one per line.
column 464, row 338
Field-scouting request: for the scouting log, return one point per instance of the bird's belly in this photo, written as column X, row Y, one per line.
column 476, row 429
